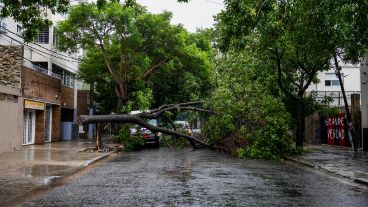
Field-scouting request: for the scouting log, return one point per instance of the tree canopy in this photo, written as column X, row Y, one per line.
column 298, row 38
column 31, row 13
column 129, row 50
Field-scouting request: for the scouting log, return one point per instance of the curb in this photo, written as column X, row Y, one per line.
column 88, row 162
column 52, row 179
column 362, row 181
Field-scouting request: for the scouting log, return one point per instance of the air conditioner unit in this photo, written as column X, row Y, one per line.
column 3, row 28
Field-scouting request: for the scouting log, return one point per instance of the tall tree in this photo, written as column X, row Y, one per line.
column 110, row 28
column 300, row 38
column 131, row 48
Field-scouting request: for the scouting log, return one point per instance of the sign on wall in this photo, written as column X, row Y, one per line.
column 28, row 104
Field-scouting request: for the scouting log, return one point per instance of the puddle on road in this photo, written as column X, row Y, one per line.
column 44, row 170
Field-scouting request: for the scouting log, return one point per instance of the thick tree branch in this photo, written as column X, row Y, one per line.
column 151, row 69
column 112, row 73
column 135, row 119
column 279, row 78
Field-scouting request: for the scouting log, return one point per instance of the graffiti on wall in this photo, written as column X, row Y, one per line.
column 336, row 132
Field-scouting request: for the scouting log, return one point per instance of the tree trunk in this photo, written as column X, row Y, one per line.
column 135, row 119
column 98, row 136
column 121, row 92
column 300, row 121
column 348, row 120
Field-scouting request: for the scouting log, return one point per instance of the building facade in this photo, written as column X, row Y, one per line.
column 37, row 85
column 329, row 86
column 11, row 101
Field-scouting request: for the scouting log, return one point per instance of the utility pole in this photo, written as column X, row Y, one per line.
column 348, row 123
column 90, row 109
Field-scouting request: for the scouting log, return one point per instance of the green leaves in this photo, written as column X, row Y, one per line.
column 251, row 116
column 158, row 62
column 31, row 13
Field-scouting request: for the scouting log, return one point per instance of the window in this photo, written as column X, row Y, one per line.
column 68, row 79
column 19, row 29
column 43, row 36
column 2, row 27
column 331, row 79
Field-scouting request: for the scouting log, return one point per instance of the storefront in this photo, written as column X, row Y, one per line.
column 39, row 122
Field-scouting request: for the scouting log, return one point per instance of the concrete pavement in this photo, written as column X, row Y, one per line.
column 35, row 166
column 340, row 161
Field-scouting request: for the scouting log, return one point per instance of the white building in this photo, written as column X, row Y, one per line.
column 329, row 85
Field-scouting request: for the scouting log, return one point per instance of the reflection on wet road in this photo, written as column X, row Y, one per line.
column 171, row 177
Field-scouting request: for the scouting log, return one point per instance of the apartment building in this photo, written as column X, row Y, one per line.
column 46, row 90
column 329, row 85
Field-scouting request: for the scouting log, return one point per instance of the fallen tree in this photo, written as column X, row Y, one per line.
column 140, row 119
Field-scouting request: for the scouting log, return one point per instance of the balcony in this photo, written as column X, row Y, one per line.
column 335, row 96
column 45, row 71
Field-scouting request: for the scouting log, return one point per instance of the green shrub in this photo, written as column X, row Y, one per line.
column 252, row 120
column 131, row 143
column 172, row 141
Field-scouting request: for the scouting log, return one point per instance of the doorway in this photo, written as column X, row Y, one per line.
column 29, row 127
column 48, row 123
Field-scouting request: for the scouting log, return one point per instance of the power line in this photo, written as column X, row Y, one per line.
column 40, row 52
column 32, row 61
column 215, row 2
column 76, row 59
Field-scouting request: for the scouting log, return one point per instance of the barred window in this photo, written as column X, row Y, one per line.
column 19, row 29
column 43, row 36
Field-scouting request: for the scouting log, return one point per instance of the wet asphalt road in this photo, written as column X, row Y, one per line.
column 171, row 177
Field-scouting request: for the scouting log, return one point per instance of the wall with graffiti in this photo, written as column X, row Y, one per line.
column 334, row 130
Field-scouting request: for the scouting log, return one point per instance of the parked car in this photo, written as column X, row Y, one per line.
column 183, row 125
column 150, row 138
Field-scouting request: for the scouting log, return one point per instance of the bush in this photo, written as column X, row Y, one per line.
column 177, row 142
column 131, row 143
column 251, row 121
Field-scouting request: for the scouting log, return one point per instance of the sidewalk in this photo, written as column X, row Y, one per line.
column 340, row 161
column 37, row 165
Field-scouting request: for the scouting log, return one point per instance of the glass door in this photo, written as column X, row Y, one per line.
column 29, row 127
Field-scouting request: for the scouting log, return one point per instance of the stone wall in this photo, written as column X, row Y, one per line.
column 11, row 102
column 10, row 65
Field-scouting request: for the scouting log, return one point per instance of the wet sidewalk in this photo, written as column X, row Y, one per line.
column 38, row 165
column 336, row 160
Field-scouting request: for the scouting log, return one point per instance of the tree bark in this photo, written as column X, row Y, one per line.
column 348, row 121
column 300, row 119
column 98, row 136
column 121, row 93
column 135, row 119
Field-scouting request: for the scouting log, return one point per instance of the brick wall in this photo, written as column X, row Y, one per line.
column 40, row 127
column 82, row 109
column 40, row 86
column 83, row 102
column 67, row 97
column 10, row 65
column 56, row 119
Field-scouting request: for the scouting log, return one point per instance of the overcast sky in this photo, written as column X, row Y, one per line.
column 195, row 14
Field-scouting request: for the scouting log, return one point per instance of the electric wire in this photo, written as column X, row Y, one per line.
column 40, row 52
column 215, row 2
column 52, row 52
